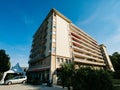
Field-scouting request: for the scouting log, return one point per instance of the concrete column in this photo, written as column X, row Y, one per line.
column 106, row 58
column 53, row 70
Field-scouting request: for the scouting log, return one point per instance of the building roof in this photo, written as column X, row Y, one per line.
column 61, row 15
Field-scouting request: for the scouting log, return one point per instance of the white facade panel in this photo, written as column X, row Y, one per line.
column 62, row 37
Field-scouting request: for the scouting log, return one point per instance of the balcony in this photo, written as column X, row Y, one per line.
column 83, row 50
column 88, row 62
column 36, row 58
column 77, row 30
column 85, row 42
column 77, row 44
column 86, row 56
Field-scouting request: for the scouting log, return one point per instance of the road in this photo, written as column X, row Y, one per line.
column 29, row 87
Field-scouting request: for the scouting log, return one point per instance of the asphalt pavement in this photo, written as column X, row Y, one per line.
column 30, row 87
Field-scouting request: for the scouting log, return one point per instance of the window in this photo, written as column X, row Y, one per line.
column 69, row 61
column 58, row 60
column 50, row 46
column 53, row 19
column 62, row 60
column 54, row 32
column 53, row 49
column 66, row 60
column 54, row 40
column 54, row 26
column 44, row 62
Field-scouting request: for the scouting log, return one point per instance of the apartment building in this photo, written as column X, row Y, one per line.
column 58, row 41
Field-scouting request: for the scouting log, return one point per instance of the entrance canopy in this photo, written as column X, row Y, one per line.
column 17, row 68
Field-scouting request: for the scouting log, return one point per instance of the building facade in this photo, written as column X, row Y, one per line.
column 58, row 41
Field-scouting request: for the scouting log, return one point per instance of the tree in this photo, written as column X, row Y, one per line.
column 85, row 78
column 115, row 59
column 66, row 75
column 4, row 61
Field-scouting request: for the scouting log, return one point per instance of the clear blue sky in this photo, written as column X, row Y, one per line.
column 19, row 20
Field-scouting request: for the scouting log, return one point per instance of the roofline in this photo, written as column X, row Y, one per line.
column 83, row 31
column 61, row 15
column 102, row 45
column 53, row 10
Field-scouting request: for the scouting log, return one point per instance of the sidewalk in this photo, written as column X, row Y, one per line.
column 55, row 87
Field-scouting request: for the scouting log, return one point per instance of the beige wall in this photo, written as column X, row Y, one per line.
column 62, row 43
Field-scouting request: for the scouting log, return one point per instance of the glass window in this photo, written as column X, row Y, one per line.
column 53, row 19
column 53, row 49
column 66, row 60
column 54, row 32
column 58, row 60
column 69, row 61
column 62, row 60
column 54, row 26
column 54, row 40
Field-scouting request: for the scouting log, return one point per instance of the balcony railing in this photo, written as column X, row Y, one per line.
column 80, row 39
column 90, row 57
column 83, row 50
column 83, row 34
column 89, row 62
column 37, row 58
column 90, row 42
column 77, row 44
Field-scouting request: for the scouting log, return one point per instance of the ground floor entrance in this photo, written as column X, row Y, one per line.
column 37, row 77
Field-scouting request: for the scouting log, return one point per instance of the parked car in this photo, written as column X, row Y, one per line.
column 17, row 79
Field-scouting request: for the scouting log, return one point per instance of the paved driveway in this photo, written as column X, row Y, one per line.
column 19, row 87
column 29, row 87
column 44, row 87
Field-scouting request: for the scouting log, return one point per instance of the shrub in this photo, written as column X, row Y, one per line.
column 89, row 79
column 116, row 74
column 85, row 78
column 66, row 74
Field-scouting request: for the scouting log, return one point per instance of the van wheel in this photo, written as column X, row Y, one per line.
column 9, row 83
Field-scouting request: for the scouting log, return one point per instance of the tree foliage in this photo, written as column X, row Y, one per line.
column 4, row 61
column 85, row 78
column 67, row 71
column 115, row 59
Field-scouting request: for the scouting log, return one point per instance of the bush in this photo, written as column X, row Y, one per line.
column 85, row 78
column 66, row 75
column 89, row 79
column 116, row 74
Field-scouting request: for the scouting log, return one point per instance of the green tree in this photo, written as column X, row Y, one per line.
column 66, row 75
column 85, row 78
column 4, row 61
column 90, row 79
column 115, row 59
